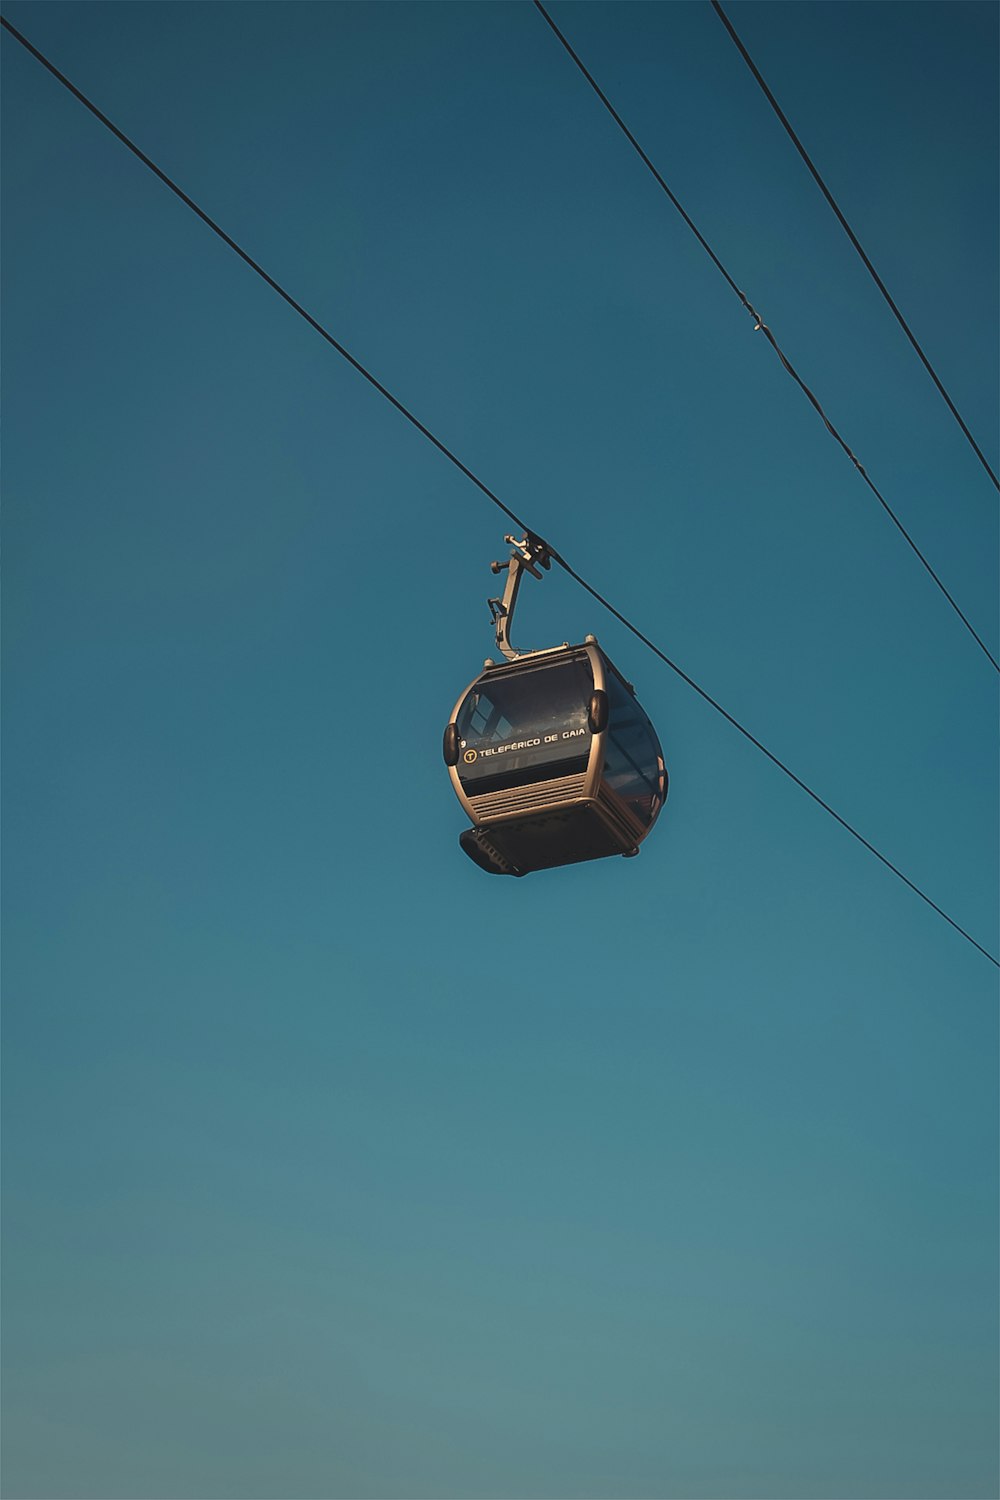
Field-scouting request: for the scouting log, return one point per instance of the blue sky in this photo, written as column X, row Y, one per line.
column 332, row 1166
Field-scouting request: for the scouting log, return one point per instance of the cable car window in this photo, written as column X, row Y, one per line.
column 632, row 757
column 525, row 721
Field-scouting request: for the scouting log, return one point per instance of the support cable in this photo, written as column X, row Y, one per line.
column 452, row 458
column 852, row 236
column 761, row 327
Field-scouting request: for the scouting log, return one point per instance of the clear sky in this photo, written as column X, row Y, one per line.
column 334, row 1167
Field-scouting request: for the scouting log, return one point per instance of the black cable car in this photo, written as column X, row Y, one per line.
column 549, row 752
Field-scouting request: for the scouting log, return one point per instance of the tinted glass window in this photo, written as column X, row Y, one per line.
column 525, row 725
column 632, row 760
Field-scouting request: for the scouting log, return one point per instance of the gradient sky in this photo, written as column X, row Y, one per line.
column 334, row 1167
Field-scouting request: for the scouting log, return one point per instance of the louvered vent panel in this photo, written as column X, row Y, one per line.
column 525, row 799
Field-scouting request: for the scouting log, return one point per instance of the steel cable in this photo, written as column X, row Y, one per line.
column 852, row 236
column 761, row 327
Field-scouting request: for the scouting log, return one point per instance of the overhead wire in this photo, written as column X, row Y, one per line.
column 469, row 474
column 852, row 237
column 761, row 327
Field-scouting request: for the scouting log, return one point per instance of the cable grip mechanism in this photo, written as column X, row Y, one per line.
column 529, row 554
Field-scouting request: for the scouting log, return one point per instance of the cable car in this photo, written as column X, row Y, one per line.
column 549, row 752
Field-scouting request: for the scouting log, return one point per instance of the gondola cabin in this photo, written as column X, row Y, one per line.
column 554, row 762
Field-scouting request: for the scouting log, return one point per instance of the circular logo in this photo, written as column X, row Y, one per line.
column 470, row 756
